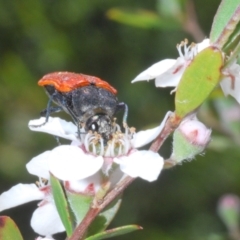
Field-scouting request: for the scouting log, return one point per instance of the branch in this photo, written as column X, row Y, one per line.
column 171, row 124
column 81, row 229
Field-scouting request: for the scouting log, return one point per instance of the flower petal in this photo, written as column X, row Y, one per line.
column 144, row 137
column 144, row 164
column 155, row 70
column 20, row 194
column 172, row 76
column 115, row 176
column 228, row 90
column 46, row 221
column 204, row 44
column 71, row 163
column 55, row 126
column 39, row 165
column 231, row 85
column 94, row 182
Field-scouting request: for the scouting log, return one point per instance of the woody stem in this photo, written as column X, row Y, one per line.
column 81, row 229
column 171, row 124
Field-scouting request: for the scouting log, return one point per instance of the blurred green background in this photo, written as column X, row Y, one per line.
column 115, row 40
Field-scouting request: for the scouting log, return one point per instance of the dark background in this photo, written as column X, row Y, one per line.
column 42, row 36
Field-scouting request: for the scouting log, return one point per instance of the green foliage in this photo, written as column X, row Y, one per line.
column 223, row 23
column 62, row 205
column 198, row 81
column 104, row 218
column 183, row 149
column 114, row 232
column 8, row 229
column 79, row 204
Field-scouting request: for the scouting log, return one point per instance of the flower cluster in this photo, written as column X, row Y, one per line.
column 191, row 137
column 83, row 165
column 168, row 72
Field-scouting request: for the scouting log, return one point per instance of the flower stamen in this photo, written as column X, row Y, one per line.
column 42, row 182
column 188, row 52
column 118, row 145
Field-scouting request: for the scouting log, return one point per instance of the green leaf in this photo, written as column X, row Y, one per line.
column 198, row 81
column 104, row 218
column 79, row 204
column 115, row 232
column 225, row 21
column 142, row 19
column 61, row 204
column 233, row 41
column 8, row 229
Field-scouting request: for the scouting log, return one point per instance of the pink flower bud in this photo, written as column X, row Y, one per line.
column 189, row 139
column 195, row 132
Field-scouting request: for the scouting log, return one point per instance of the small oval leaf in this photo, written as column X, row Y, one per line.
column 198, row 81
column 115, row 232
column 8, row 229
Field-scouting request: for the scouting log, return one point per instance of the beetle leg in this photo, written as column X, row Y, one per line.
column 46, row 112
column 75, row 119
column 50, row 109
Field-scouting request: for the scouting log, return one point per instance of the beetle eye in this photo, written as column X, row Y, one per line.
column 94, row 127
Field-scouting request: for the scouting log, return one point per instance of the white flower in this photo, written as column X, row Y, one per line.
column 84, row 158
column 45, row 219
column 168, row 72
column 231, row 81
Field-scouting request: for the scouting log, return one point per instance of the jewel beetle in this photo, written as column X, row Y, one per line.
column 90, row 101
